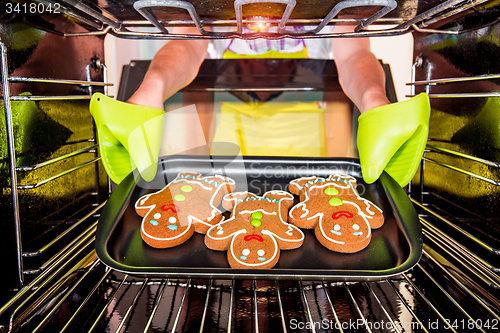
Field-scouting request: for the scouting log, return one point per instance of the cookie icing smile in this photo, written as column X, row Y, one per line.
column 252, row 237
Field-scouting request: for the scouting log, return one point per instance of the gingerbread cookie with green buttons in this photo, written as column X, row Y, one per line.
column 257, row 230
column 186, row 205
column 341, row 219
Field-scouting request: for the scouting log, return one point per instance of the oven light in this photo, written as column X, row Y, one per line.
column 259, row 25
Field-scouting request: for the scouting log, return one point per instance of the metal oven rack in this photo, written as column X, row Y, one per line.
column 431, row 296
column 102, row 22
column 74, row 229
column 454, row 288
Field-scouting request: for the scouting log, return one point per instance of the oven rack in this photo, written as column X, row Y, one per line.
column 435, row 147
column 427, row 84
column 448, row 218
column 101, row 22
column 74, row 225
column 411, row 302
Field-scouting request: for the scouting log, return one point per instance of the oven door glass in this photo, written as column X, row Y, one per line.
column 267, row 107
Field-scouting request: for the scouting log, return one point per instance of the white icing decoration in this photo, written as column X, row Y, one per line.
column 220, row 231
column 290, row 231
column 355, row 227
column 172, row 219
column 143, row 200
column 260, row 253
column 317, row 214
column 296, row 181
column 305, row 210
column 285, row 195
column 219, row 227
column 336, row 227
column 327, row 185
column 194, row 181
column 232, row 197
column 257, row 210
column 246, row 252
column 157, row 216
column 267, row 232
column 360, row 212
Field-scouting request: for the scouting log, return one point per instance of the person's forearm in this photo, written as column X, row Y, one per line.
column 360, row 74
column 172, row 68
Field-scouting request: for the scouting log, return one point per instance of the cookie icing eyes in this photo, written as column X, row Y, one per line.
column 357, row 233
column 172, row 219
column 245, row 254
column 157, row 216
column 336, row 230
column 261, row 254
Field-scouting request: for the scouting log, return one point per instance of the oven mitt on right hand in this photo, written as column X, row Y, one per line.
column 392, row 137
column 129, row 136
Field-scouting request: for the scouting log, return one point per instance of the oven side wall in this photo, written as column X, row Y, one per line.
column 461, row 172
column 46, row 128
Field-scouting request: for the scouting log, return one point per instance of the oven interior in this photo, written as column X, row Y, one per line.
column 54, row 187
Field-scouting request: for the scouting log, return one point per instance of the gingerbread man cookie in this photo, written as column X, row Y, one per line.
column 341, row 219
column 257, row 229
column 187, row 204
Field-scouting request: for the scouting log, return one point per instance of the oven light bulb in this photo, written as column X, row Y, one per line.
column 259, row 26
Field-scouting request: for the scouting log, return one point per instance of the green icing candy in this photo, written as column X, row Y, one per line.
column 257, row 215
column 179, row 197
column 186, row 188
column 335, row 202
column 255, row 223
column 331, row 191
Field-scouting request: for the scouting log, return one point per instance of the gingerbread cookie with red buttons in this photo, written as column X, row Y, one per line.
column 341, row 219
column 257, row 230
column 186, row 205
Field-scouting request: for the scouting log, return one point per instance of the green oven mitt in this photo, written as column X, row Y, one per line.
column 392, row 138
column 129, row 136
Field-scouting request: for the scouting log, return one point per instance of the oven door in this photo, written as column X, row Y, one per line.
column 267, row 107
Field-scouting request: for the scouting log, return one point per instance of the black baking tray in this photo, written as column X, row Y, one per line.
column 394, row 248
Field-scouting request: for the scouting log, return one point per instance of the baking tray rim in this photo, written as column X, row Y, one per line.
column 127, row 186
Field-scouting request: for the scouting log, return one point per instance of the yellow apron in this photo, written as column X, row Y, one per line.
column 272, row 54
column 271, row 128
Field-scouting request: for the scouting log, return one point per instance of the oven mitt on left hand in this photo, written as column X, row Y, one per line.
column 392, row 138
column 129, row 136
